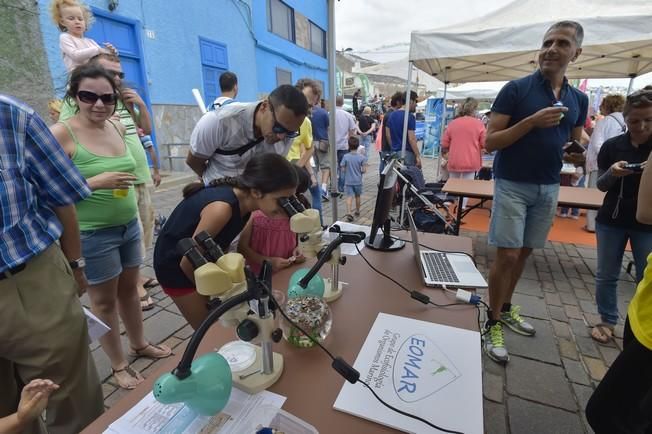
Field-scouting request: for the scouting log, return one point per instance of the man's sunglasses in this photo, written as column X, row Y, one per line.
column 280, row 129
column 92, row 97
column 116, row 73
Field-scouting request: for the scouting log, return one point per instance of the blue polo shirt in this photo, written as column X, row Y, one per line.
column 537, row 156
column 319, row 120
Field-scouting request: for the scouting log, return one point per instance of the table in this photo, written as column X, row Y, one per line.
column 571, row 197
column 566, row 168
column 308, row 381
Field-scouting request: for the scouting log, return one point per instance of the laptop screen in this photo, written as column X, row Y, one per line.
column 415, row 240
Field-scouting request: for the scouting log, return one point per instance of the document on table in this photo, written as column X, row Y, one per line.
column 243, row 414
column 347, row 249
column 96, row 327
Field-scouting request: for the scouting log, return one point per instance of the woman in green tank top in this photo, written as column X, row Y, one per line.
column 109, row 232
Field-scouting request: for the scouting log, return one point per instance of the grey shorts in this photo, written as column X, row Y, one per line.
column 322, row 159
column 522, row 213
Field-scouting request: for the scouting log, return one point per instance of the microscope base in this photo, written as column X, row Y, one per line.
column 252, row 380
column 329, row 294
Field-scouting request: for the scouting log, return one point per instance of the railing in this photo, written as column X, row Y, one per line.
column 175, row 151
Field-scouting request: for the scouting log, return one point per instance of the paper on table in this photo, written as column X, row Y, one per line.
column 347, row 249
column 96, row 327
column 429, row 370
column 240, row 415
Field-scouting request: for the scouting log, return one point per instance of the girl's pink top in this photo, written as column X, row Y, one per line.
column 77, row 51
column 271, row 237
column 464, row 138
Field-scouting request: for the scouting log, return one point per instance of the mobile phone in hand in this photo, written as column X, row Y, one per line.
column 634, row 167
column 574, row 147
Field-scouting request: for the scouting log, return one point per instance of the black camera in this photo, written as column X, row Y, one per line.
column 634, row 167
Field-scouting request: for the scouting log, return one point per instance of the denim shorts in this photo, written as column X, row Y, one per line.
column 522, row 213
column 353, row 190
column 110, row 250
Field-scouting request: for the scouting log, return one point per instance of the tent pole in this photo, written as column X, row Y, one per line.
column 331, row 106
column 631, row 84
column 406, row 109
column 441, row 125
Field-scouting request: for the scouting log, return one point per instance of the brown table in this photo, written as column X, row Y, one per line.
column 571, row 197
column 308, row 381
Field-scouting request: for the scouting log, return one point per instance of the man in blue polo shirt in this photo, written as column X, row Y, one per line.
column 531, row 119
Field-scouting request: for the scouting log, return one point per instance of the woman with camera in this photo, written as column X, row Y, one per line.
column 620, row 163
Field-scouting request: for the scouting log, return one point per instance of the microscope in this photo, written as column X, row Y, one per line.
column 223, row 278
column 306, row 224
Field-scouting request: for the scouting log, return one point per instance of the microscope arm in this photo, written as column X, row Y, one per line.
column 183, row 369
column 325, row 254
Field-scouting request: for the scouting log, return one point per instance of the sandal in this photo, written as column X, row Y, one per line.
column 151, row 351
column 146, row 303
column 150, row 283
column 603, row 333
column 348, row 218
column 132, row 374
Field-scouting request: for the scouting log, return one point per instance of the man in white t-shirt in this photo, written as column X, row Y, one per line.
column 344, row 128
column 224, row 140
column 228, row 88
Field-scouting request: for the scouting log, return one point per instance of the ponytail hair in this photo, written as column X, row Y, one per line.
column 266, row 173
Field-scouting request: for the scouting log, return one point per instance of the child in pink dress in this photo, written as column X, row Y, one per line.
column 271, row 239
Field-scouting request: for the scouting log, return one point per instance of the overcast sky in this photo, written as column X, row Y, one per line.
column 366, row 25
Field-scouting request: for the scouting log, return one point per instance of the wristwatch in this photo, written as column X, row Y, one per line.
column 77, row 263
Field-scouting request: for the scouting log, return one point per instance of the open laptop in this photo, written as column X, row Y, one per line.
column 454, row 270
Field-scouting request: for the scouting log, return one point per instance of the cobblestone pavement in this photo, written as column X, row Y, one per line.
column 545, row 386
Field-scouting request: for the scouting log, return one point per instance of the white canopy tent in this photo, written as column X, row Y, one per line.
column 503, row 45
column 398, row 68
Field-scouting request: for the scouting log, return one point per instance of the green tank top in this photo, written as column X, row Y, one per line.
column 105, row 207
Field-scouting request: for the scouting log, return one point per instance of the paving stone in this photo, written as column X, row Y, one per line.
column 573, row 312
column 173, row 342
column 541, row 346
column 609, row 353
column 185, row 332
column 540, row 382
column 562, row 285
column 552, row 298
column 577, row 283
column 529, row 417
column 164, row 324
column 102, row 363
column 588, row 306
column 587, row 346
column 116, row 396
column 107, row 389
column 561, row 329
column 587, row 253
column 141, row 363
column 579, row 327
column 592, row 319
column 568, row 298
column 495, row 421
column 583, row 393
column 531, row 306
column 583, row 294
column 576, row 372
column 174, row 309
column 529, row 287
column 596, row 367
column 492, row 386
column 557, row 313
column 492, row 367
column 568, row 349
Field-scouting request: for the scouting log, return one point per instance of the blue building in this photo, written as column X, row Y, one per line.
column 168, row 48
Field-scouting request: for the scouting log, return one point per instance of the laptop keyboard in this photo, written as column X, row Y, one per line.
column 439, row 268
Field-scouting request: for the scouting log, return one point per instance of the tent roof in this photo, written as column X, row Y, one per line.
column 503, row 45
column 399, row 69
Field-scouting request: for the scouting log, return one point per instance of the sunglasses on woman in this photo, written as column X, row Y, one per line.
column 280, row 129
column 92, row 97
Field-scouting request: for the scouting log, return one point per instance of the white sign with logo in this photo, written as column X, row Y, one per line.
column 425, row 369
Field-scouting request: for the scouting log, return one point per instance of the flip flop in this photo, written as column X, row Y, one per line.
column 146, row 303
column 131, row 372
column 147, row 352
column 150, row 283
column 606, row 333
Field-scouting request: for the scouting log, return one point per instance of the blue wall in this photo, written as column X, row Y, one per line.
column 172, row 58
column 273, row 51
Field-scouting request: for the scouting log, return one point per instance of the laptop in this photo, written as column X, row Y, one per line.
column 454, row 270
